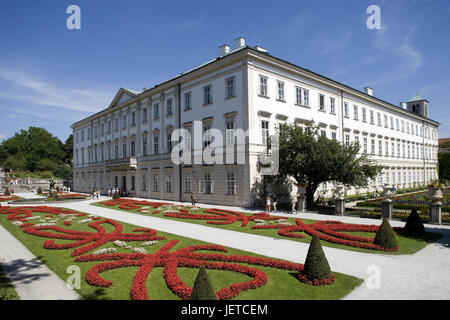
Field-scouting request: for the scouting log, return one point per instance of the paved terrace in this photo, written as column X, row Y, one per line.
column 423, row 275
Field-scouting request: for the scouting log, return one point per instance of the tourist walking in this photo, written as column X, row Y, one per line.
column 109, row 192
column 293, row 203
column 193, row 200
column 274, row 202
column 268, row 204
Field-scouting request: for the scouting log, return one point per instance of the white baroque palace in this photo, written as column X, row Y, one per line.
column 128, row 145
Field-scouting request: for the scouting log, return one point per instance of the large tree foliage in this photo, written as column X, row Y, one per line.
column 444, row 161
column 312, row 159
column 36, row 149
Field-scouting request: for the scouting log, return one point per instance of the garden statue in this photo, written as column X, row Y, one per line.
column 52, row 184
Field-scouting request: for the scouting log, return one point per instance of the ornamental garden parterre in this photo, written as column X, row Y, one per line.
column 337, row 234
column 121, row 261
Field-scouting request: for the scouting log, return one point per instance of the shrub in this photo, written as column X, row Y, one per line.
column 316, row 264
column 414, row 225
column 116, row 195
column 203, row 289
column 385, row 236
column 7, row 193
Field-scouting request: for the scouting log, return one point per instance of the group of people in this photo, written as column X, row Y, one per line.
column 271, row 202
column 121, row 192
column 95, row 194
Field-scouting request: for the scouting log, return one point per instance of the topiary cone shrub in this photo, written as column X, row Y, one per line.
column 414, row 225
column 203, row 289
column 385, row 236
column 316, row 271
column 116, row 195
column 7, row 193
column 39, row 190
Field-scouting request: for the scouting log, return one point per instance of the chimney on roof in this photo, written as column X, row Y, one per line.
column 224, row 50
column 368, row 90
column 404, row 105
column 239, row 43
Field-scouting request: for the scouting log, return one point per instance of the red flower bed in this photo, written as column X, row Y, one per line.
column 85, row 241
column 329, row 231
column 8, row 198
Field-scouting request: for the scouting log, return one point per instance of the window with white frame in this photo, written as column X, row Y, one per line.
column 156, row 111
column 230, row 88
column 372, row 117
column 144, row 145
column 169, row 109
column 133, row 119
column 380, row 147
column 298, row 95
column 116, row 124
column 263, row 86
column 321, row 102
column 332, row 105
column 230, row 139
column 206, row 134
column 207, row 183
column 124, row 121
column 231, row 183
column 187, row 183
column 280, row 86
column 379, row 118
column 305, row 97
column 155, row 182
column 168, row 183
column 355, row 112
column 207, row 95
column 264, row 131
column 143, row 182
column 156, row 144
column 187, row 101
column 386, row 122
column 169, row 142
column 364, row 114
column 347, row 139
column 373, row 146
column 144, row 115
column 365, row 145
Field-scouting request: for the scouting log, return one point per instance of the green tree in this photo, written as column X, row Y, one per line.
column 316, row 264
column 68, row 149
column 203, row 289
column 385, row 236
column 311, row 159
column 64, row 171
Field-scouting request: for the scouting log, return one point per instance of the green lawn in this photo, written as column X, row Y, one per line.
column 407, row 244
column 282, row 285
column 7, row 291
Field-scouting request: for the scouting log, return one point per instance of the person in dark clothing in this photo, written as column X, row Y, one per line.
column 274, row 202
column 193, row 200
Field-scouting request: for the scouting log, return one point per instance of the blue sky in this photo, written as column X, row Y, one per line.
column 51, row 76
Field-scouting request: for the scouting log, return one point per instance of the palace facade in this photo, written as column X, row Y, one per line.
column 128, row 144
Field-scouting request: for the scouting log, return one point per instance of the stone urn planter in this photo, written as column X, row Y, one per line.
column 435, row 193
column 340, row 190
column 387, row 191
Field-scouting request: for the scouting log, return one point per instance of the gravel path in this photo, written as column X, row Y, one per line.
column 423, row 275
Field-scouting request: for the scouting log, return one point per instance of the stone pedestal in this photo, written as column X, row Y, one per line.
column 339, row 207
column 435, row 213
column 387, row 208
column 301, row 204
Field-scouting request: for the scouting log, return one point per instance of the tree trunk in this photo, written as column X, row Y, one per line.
column 310, row 190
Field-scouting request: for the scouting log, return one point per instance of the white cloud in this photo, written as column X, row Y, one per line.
column 22, row 86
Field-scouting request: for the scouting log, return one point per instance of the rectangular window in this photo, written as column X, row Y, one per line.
column 365, row 146
column 168, row 183
column 206, row 135
column 364, row 115
column 373, row 146
column 89, row 133
column 380, row 148
column 230, row 88
column 124, row 121
column 263, row 86
column 305, row 97
column 355, row 112
column 298, row 95
column 95, row 131
column 372, row 117
column 386, row 148
column 155, row 183
column 379, row 118
column 332, row 105
column 144, row 115
column 169, row 110
column 398, row 124
column 187, row 101
column 264, row 131
column 321, row 102
column 144, row 146
column 230, row 183
column 124, row 150
column 386, row 122
column 156, row 111
column 333, row 135
column 280, row 90
column 133, row 148
column 169, row 142
column 347, row 139
column 133, row 119
column 207, row 96
column 133, row 183
column 156, row 144
column 392, row 123
column 230, row 132
column 102, row 129
column 116, row 124
column 208, row 184
column 187, row 183
column 143, row 182
column 116, row 151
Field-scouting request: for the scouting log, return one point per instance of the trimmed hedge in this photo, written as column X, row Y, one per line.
column 385, row 236
column 203, row 289
column 316, row 264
